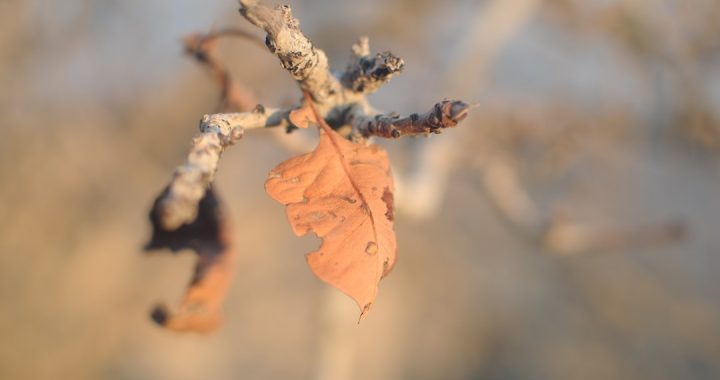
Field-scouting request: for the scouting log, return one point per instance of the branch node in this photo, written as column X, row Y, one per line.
column 366, row 74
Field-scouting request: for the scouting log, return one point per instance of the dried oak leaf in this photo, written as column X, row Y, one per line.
column 302, row 117
column 209, row 236
column 342, row 192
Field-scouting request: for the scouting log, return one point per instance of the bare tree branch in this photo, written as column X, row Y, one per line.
column 475, row 49
column 180, row 213
column 307, row 65
column 179, row 204
column 366, row 74
column 446, row 114
column 567, row 237
column 560, row 234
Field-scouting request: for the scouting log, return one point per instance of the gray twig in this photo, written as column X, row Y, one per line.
column 445, row 114
column 344, row 105
column 179, row 204
column 365, row 73
column 307, row 65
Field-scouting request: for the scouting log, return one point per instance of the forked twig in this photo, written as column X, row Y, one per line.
column 183, row 205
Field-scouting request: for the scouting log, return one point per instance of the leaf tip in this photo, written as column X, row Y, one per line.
column 364, row 311
column 160, row 315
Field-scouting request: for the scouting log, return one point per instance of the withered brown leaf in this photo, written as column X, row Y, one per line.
column 341, row 191
column 209, row 236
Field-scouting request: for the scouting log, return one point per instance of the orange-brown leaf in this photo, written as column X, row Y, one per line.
column 302, row 117
column 342, row 192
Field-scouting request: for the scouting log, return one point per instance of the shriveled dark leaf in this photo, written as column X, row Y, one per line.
column 209, row 236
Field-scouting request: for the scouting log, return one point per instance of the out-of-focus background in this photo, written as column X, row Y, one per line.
column 567, row 230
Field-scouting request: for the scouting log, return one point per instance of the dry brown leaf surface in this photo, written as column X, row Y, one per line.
column 343, row 192
column 302, row 117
